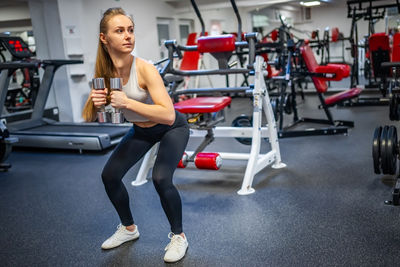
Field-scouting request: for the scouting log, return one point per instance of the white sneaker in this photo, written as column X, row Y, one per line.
column 122, row 235
column 176, row 249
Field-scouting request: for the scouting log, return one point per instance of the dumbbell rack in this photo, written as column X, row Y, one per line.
column 385, row 153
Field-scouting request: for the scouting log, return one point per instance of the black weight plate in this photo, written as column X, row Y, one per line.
column 275, row 108
column 397, row 108
column 288, row 104
column 391, row 156
column 383, row 152
column 395, row 102
column 5, row 150
column 243, row 121
column 392, row 108
column 376, row 144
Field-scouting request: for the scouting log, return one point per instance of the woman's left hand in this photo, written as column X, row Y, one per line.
column 118, row 99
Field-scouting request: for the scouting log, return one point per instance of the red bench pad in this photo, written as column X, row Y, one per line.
column 203, row 104
column 218, row 43
column 333, row 99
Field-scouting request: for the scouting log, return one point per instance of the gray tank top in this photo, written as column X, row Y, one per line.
column 133, row 91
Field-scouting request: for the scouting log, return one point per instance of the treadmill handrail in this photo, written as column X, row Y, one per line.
column 59, row 62
column 18, row 64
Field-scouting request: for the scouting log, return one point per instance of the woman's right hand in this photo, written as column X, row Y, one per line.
column 99, row 97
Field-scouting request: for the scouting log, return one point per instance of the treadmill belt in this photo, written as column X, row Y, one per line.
column 112, row 131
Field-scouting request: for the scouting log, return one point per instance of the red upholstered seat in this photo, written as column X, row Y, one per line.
column 312, row 66
column 333, row 99
column 203, row 104
column 341, row 71
column 218, row 43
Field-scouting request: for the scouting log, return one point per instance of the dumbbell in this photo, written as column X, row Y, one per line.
column 116, row 116
column 98, row 84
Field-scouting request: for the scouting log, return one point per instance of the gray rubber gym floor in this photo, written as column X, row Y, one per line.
column 326, row 208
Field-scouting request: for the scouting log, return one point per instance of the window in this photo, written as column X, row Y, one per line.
column 163, row 31
column 185, row 28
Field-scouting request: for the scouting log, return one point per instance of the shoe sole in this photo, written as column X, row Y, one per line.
column 179, row 259
column 136, row 238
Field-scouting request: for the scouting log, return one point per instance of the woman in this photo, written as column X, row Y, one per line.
column 145, row 102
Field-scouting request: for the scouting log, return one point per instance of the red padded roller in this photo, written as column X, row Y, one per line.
column 210, row 161
column 340, row 70
column 274, row 35
column 203, row 104
column 335, row 34
column 218, row 43
column 184, row 161
column 333, row 99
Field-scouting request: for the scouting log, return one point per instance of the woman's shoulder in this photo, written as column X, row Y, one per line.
column 144, row 66
column 140, row 62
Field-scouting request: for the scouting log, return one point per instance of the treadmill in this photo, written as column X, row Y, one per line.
column 38, row 131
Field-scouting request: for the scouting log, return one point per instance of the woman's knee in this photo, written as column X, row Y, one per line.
column 108, row 176
column 161, row 181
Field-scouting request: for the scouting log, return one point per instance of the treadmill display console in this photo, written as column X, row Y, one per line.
column 17, row 47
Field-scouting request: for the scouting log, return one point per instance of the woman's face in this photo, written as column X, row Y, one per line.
column 119, row 37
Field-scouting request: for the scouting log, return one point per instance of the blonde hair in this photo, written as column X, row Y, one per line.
column 104, row 65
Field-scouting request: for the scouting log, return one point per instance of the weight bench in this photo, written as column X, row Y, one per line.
column 320, row 74
column 204, row 113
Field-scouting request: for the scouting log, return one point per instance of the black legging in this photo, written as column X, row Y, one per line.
column 131, row 149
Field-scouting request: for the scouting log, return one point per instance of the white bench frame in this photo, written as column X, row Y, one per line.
column 255, row 160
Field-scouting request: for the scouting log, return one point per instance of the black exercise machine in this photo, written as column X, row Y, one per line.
column 6, row 142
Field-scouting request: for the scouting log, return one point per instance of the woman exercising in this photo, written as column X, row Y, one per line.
column 145, row 102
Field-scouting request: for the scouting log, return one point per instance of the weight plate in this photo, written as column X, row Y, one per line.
column 275, row 108
column 376, row 149
column 392, row 108
column 288, row 104
column 391, row 150
column 5, row 150
column 383, row 152
column 243, row 121
column 397, row 107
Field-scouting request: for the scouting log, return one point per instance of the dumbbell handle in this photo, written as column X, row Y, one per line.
column 116, row 85
column 98, row 84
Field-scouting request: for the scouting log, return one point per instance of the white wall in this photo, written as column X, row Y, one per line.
column 49, row 45
column 15, row 18
column 14, row 12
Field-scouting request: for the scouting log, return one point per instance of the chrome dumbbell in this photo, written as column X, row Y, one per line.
column 116, row 116
column 98, row 84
